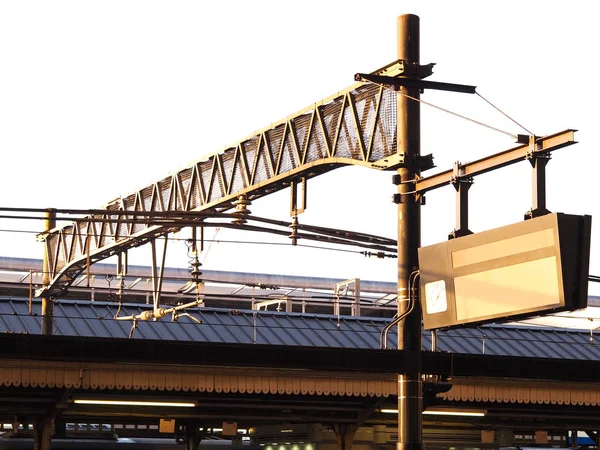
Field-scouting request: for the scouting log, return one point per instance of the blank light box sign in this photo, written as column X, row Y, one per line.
column 522, row 270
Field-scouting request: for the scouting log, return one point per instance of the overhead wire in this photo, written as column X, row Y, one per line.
column 379, row 251
column 333, row 235
column 230, row 241
column 19, row 231
column 317, row 295
column 174, row 219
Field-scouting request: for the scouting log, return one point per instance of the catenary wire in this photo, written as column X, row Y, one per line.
column 227, row 241
column 307, row 294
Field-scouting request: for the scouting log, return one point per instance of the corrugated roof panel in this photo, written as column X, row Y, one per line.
column 351, row 333
column 235, row 326
column 199, row 332
column 316, row 333
column 161, row 329
column 279, row 328
column 451, row 341
column 224, row 326
column 367, row 333
column 285, row 331
column 265, row 333
column 304, row 334
column 426, row 340
column 502, row 341
column 574, row 349
column 70, row 317
column 329, row 329
column 210, row 332
column 16, row 313
column 551, row 341
column 538, row 349
column 310, row 328
column 102, row 325
column 534, row 343
column 499, row 342
column 244, row 327
column 6, row 306
column 14, row 324
column 110, row 328
column 189, row 330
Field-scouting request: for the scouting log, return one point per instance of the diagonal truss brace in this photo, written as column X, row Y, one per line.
column 356, row 126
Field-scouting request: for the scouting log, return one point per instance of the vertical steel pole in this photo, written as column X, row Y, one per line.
column 410, row 401
column 47, row 301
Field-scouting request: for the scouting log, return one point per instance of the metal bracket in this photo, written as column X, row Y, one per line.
column 294, row 208
column 394, row 68
column 397, row 160
column 538, row 160
column 412, row 83
column 462, row 185
column 391, row 162
column 425, row 162
column 401, row 67
column 398, row 197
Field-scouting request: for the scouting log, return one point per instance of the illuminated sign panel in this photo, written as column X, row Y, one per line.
column 509, row 273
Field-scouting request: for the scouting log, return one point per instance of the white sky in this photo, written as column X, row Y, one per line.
column 99, row 99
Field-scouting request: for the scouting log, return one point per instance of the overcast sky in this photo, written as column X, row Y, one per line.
column 99, row 99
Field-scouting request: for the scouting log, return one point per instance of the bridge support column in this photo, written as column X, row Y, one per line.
column 42, row 432
column 345, row 435
column 410, row 403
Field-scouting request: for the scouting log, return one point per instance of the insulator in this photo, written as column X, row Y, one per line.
column 241, row 210
column 294, row 236
column 195, row 271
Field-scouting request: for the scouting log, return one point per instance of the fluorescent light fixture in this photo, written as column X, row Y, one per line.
column 454, row 412
column 135, row 403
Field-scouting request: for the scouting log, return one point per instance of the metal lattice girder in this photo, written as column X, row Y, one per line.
column 355, row 127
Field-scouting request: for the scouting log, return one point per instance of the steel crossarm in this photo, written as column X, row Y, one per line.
column 540, row 146
column 356, row 126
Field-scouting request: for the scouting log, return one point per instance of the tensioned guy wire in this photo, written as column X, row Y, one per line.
column 455, row 114
column 503, row 113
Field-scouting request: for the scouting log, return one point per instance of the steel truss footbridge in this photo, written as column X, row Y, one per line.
column 357, row 126
column 375, row 124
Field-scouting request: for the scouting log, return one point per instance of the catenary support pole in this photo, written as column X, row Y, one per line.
column 410, row 402
column 47, row 301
